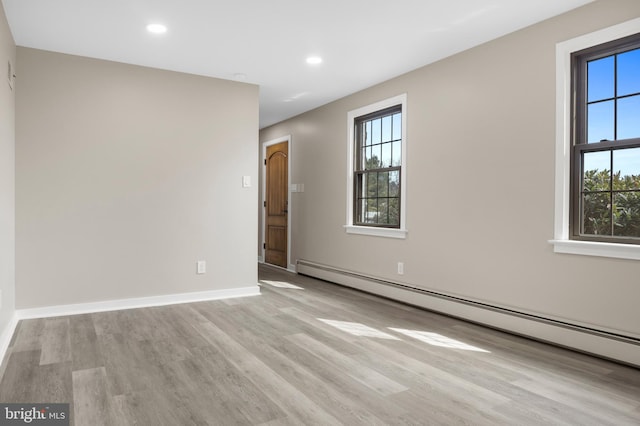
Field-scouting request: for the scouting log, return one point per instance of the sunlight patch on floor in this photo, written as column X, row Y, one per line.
column 436, row 339
column 358, row 329
column 281, row 284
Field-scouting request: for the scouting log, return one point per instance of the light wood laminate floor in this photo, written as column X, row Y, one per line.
column 307, row 352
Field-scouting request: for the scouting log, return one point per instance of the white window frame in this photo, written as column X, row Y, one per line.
column 561, row 242
column 350, row 228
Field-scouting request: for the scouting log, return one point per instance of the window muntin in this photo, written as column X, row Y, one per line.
column 606, row 150
column 377, row 169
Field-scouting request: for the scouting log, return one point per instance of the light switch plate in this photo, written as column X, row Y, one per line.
column 201, row 267
column 246, row 181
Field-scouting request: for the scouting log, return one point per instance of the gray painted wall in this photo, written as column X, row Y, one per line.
column 126, row 176
column 7, row 177
column 480, row 188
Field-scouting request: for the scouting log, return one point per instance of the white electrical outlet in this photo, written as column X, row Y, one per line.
column 400, row 268
column 201, row 267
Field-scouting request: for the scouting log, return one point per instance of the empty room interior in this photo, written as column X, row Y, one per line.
column 287, row 213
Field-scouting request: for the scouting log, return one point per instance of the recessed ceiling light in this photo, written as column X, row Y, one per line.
column 240, row 76
column 314, row 60
column 157, row 28
column 296, row 97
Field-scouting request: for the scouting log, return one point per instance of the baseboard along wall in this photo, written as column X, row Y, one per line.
column 607, row 344
column 116, row 305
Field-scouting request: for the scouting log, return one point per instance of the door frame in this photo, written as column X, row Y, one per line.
column 287, row 139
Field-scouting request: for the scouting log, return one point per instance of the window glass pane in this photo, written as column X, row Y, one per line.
column 629, row 117
column 363, row 216
column 596, row 171
column 386, row 128
column 367, row 133
column 626, row 169
column 372, row 185
column 594, row 164
column 386, row 155
column 600, row 119
column 376, row 154
column 368, row 158
column 629, row 72
column 394, row 211
column 383, row 211
column 372, row 211
column 596, row 214
column 383, row 184
column 600, row 80
column 397, row 153
column 394, row 183
column 627, row 214
column 375, row 130
column 397, row 126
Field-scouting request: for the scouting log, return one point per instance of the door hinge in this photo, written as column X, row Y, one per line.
column 265, row 161
column 264, row 246
column 264, row 204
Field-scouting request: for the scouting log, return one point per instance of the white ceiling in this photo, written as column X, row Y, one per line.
column 362, row 42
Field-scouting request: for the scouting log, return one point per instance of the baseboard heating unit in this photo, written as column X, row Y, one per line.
column 604, row 343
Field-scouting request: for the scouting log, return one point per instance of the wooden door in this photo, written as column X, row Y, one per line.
column 276, row 204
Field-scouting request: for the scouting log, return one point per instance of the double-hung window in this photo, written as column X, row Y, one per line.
column 377, row 153
column 606, row 143
column 377, row 170
column 597, row 180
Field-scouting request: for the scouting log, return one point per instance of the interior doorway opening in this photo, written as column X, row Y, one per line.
column 276, row 206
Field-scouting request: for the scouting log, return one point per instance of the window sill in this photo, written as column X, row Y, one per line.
column 589, row 248
column 376, row 232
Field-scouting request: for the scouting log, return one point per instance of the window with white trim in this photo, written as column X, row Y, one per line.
column 377, row 145
column 598, row 143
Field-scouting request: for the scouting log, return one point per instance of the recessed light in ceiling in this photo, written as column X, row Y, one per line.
column 157, row 28
column 314, row 60
column 296, row 97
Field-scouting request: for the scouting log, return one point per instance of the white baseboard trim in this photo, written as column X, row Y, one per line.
column 603, row 343
column 115, row 305
column 260, row 259
column 5, row 338
column 140, row 302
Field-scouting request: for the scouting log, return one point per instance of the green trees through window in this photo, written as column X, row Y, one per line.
column 611, row 204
